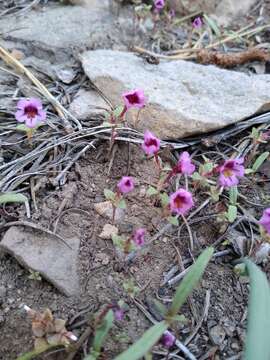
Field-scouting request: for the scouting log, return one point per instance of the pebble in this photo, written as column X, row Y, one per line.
column 217, row 335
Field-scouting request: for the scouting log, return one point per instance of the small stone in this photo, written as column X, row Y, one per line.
column 103, row 258
column 3, row 292
column 87, row 104
column 217, row 335
column 108, row 231
column 235, row 346
column 105, row 209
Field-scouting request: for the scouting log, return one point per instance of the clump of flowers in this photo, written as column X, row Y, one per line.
column 47, row 330
column 230, row 172
column 128, row 244
column 124, row 186
column 181, row 202
column 265, row 223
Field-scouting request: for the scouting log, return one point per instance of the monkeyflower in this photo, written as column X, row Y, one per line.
column 30, row 112
column 125, row 185
column 159, row 4
column 183, row 166
column 139, row 237
column 134, row 99
column 181, row 202
column 151, row 144
column 230, row 172
column 197, row 23
column 168, row 339
column 265, row 221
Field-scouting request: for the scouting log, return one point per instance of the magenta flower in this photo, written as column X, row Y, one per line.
column 151, row 144
column 30, row 112
column 197, row 23
column 125, row 185
column 230, row 171
column 159, row 4
column 168, row 339
column 134, row 99
column 118, row 314
column 181, row 202
column 265, row 220
column 138, row 237
column 172, row 13
column 184, row 165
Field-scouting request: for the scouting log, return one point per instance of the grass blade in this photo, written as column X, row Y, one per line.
column 145, row 343
column 257, row 341
column 190, row 281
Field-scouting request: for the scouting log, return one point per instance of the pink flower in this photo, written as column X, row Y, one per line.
column 265, row 220
column 230, row 171
column 184, row 165
column 151, row 144
column 168, row 339
column 159, row 4
column 181, row 202
column 125, row 185
column 197, row 23
column 134, row 99
column 138, row 237
column 30, row 112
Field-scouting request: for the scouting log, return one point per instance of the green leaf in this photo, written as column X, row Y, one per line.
column 190, row 281
column 212, row 24
column 260, row 160
column 151, row 191
column 181, row 318
column 255, row 133
column 196, row 176
column 145, row 343
column 109, row 195
column 165, row 199
column 233, row 193
column 118, row 111
column 232, row 213
column 118, row 240
column 173, row 220
column 33, row 354
column 257, row 340
column 215, row 193
column 248, row 171
column 160, row 307
column 121, row 204
column 11, row 197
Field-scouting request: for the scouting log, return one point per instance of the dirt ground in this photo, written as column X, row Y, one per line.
column 103, row 275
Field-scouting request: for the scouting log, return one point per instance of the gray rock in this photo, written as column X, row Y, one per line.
column 224, row 11
column 87, row 104
column 105, row 209
column 59, row 27
column 184, row 98
column 3, row 293
column 217, row 335
column 46, row 254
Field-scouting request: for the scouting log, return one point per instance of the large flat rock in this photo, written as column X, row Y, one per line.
column 184, row 98
column 46, row 254
column 61, row 27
